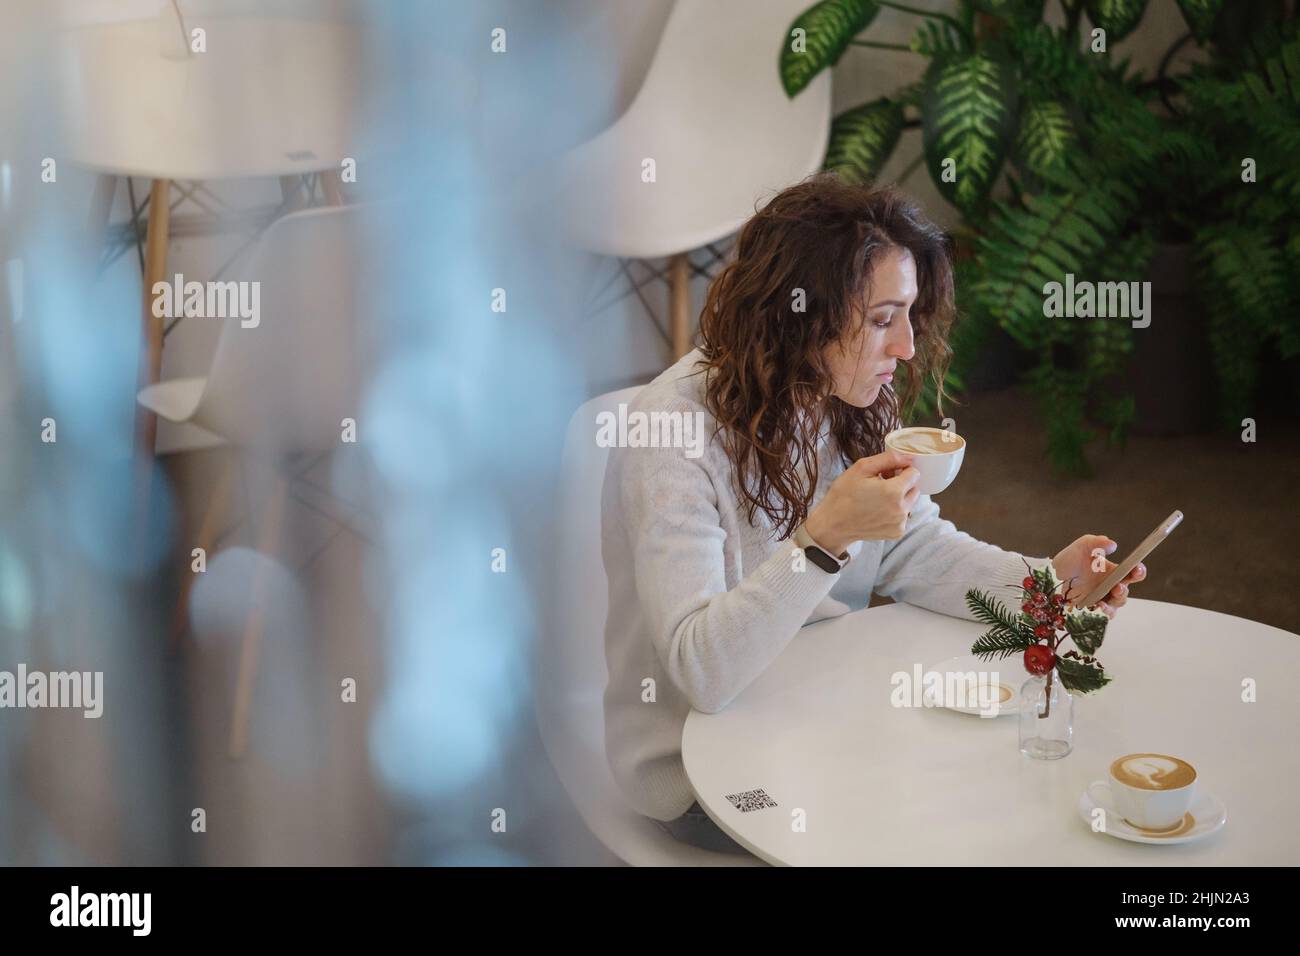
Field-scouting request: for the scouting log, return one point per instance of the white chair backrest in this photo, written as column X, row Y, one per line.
column 289, row 381
column 714, row 117
column 577, row 659
column 572, row 673
column 571, row 670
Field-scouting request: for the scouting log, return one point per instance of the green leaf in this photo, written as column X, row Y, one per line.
column 1116, row 17
column 935, row 38
column 863, row 138
column 968, row 111
column 1200, row 16
column 1244, row 276
column 1080, row 678
column 1061, row 398
column 827, row 27
column 1046, row 138
column 1024, row 11
column 1087, row 629
column 1119, row 413
column 1045, row 579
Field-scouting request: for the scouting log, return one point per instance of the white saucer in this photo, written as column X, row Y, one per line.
column 1207, row 811
column 1011, row 674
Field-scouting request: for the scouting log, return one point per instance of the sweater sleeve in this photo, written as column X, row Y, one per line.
column 712, row 641
column 933, row 565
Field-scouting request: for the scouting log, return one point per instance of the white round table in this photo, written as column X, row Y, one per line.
column 920, row 786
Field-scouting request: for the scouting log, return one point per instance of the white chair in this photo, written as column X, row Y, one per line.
column 571, row 668
column 283, row 386
column 723, row 135
column 286, row 384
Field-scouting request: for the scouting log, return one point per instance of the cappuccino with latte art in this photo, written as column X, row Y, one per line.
column 1152, row 771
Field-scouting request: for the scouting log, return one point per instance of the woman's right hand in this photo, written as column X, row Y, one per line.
column 870, row 501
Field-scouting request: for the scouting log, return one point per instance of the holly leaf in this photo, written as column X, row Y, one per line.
column 1087, row 629
column 1045, row 578
column 1081, row 678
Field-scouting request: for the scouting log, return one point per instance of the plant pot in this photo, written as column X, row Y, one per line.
column 1170, row 371
column 997, row 363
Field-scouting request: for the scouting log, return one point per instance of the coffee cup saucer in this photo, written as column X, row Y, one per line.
column 1207, row 813
column 1011, row 674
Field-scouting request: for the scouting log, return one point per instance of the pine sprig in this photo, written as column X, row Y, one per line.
column 1006, row 634
column 989, row 610
column 998, row 643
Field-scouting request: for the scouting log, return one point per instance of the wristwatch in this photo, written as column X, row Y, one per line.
column 817, row 554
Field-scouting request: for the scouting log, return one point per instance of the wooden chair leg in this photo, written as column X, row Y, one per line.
column 293, row 193
column 332, row 186
column 155, row 265
column 146, row 422
column 252, row 640
column 211, row 524
column 679, row 288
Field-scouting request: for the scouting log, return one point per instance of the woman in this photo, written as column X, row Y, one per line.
column 834, row 290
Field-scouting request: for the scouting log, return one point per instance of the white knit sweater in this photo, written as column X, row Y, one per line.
column 702, row 601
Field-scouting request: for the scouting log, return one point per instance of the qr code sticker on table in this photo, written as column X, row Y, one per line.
column 750, row 800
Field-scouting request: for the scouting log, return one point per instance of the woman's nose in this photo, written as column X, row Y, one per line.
column 900, row 344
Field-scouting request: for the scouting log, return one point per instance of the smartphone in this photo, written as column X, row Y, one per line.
column 1149, row 544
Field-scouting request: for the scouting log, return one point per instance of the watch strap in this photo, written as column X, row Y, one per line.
column 817, row 554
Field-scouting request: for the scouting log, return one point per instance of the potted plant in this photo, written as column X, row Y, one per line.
column 1068, row 167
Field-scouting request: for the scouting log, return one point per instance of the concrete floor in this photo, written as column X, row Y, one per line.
column 1237, row 550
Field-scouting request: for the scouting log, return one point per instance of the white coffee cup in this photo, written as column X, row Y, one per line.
column 1148, row 807
column 937, row 454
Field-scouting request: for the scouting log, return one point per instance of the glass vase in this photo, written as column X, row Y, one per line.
column 1046, row 718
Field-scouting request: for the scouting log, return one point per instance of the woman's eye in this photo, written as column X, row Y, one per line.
column 883, row 323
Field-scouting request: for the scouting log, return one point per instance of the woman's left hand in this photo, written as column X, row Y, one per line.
column 1076, row 561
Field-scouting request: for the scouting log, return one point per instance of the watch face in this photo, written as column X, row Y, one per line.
column 823, row 560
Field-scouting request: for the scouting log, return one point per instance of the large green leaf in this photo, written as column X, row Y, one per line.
column 1200, row 16
column 1087, row 629
column 1117, row 17
column 1022, row 10
column 1080, row 678
column 1046, row 138
column 969, row 110
column 863, row 138
column 827, row 27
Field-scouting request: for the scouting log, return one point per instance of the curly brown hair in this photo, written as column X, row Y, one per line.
column 768, row 384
